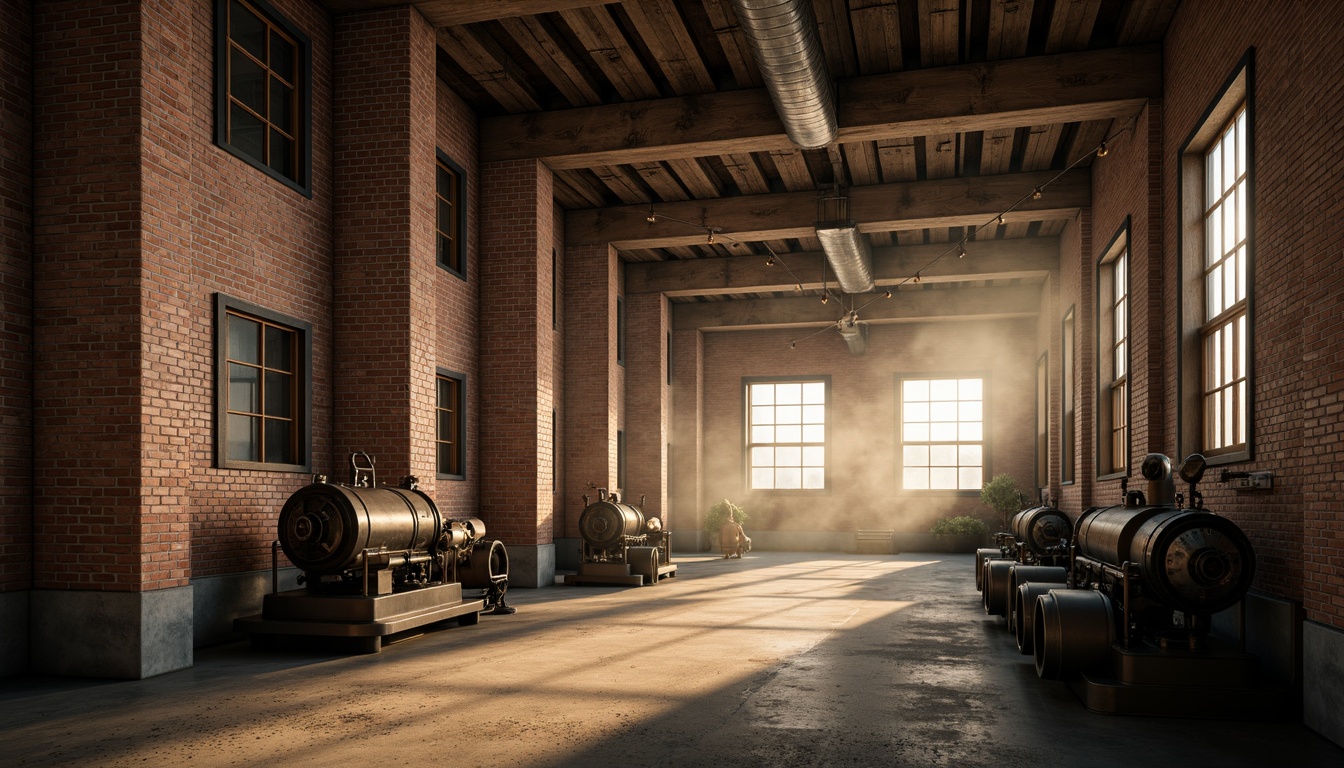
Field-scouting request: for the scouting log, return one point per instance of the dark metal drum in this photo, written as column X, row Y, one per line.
column 326, row 528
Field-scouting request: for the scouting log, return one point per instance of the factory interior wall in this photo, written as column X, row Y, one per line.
column 181, row 538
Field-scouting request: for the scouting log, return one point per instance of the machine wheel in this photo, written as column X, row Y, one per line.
column 643, row 561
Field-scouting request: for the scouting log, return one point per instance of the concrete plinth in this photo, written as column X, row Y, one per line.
column 218, row 600
column 1323, row 680
column 13, row 633
column 125, row 635
column 531, row 566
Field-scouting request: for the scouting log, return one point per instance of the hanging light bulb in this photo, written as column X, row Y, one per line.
column 798, row 288
column 962, row 253
column 770, row 262
column 916, row 277
column 887, row 294
column 825, row 298
column 1000, row 219
column 1036, row 193
column 1103, row 151
column 711, row 237
column 652, row 217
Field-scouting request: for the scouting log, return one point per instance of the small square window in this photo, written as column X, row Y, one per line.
column 451, row 429
column 263, row 374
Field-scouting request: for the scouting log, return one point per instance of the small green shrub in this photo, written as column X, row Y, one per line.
column 964, row 525
column 718, row 515
column 1001, row 495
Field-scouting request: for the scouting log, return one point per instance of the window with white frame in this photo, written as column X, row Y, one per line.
column 1216, row 268
column 1224, row 329
column 942, row 434
column 786, row 434
column 1113, row 360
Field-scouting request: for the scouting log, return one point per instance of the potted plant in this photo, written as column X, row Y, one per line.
column 718, row 515
column 959, row 534
column 1001, row 495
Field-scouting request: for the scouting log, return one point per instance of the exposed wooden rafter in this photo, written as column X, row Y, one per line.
column 447, row 13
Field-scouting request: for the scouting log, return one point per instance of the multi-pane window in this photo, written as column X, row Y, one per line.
column 786, row 435
column 451, row 217
column 942, row 434
column 1069, row 403
column 1225, row 306
column 262, row 83
column 1042, row 423
column 263, row 370
column 620, row 331
column 1113, row 433
column 451, row 433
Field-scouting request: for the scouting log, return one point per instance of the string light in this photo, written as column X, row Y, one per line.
column 798, row 288
column 652, row 217
column 1000, row 219
column 962, row 253
column 887, row 294
column 825, row 298
column 770, row 262
column 1036, row 193
column 1103, row 151
column 916, row 277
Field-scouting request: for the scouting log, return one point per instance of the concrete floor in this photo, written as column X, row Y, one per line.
column 780, row 659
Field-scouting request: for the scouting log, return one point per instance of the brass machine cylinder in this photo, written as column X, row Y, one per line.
column 1188, row 559
column 606, row 523
column 1021, row 574
column 325, row 529
column 1041, row 528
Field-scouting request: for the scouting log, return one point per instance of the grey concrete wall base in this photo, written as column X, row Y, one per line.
column 1323, row 680
column 1272, row 628
column 568, row 553
column 802, row 541
column 124, row 635
column 218, row 600
column 531, row 566
column 13, row 633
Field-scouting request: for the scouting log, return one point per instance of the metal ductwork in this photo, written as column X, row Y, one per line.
column 854, row 333
column 783, row 33
column 851, row 258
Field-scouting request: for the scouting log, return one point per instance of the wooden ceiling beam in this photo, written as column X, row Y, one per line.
column 448, row 13
column 967, row 202
column 1070, row 87
column 1031, row 257
column 903, row 307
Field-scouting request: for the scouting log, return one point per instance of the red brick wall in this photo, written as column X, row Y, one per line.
column 686, row 464
column 86, row 300
column 647, row 401
column 517, row 354
column 594, row 382
column 253, row 239
column 1076, row 276
column 457, row 302
column 556, row 301
column 385, row 272
column 16, row 265
column 863, row 447
column 1295, row 223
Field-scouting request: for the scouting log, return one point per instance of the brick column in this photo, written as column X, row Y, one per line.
column 384, row 318
column 686, row 491
column 518, row 366
column 111, row 297
column 647, row 396
column 16, row 314
column 594, row 381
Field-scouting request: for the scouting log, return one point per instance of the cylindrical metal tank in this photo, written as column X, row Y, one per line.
column 994, row 595
column 1188, row 559
column 981, row 555
column 1071, row 632
column 1022, row 574
column 1024, row 609
column 1040, row 528
column 603, row 524
column 325, row 528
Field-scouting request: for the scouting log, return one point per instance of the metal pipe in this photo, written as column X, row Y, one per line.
column 783, row 35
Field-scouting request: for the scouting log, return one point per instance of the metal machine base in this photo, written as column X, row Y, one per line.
column 367, row 619
column 1182, row 683
column 618, row 574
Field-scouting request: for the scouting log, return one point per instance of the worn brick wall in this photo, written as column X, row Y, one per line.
column 863, row 449
column 1076, row 292
column 257, row 240
column 559, row 373
column 16, row 265
column 647, row 401
column 86, row 297
column 686, row 462
column 457, row 302
column 1201, row 51
column 594, row 382
column 517, row 357
column 385, row 131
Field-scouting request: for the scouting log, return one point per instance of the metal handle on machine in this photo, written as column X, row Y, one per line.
column 365, row 476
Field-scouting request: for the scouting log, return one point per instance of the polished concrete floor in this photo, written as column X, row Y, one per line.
column 780, row 659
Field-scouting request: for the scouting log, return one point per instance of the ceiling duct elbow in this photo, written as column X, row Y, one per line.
column 854, row 333
column 848, row 253
column 783, row 33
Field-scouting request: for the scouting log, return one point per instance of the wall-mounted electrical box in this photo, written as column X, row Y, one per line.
column 1252, row 481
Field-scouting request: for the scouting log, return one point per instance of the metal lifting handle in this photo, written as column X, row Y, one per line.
column 363, row 476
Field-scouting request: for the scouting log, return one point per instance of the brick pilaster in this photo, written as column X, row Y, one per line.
column 647, row 396
column 685, row 493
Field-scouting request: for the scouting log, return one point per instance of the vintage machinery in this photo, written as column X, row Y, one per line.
column 376, row 561
column 1132, row 629
column 1036, row 536
column 620, row 545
